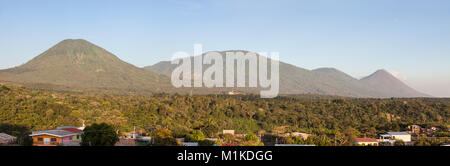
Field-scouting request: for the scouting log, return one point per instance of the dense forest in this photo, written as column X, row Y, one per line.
column 318, row 115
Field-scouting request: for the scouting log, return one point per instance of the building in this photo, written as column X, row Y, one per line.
column 292, row 145
column 212, row 139
column 126, row 142
column 414, row 129
column 234, row 92
column 393, row 136
column 132, row 135
column 228, row 132
column 366, row 141
column 190, row 143
column 434, row 129
column 303, row 136
column 6, row 139
column 57, row 137
column 241, row 136
column 77, row 131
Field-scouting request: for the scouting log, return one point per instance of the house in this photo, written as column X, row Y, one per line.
column 190, row 143
column 228, row 132
column 126, row 142
column 292, row 145
column 57, row 137
column 77, row 131
column 232, row 144
column 212, row 139
column 393, row 136
column 132, row 135
column 234, row 92
column 303, row 136
column 434, row 129
column 240, row 135
column 414, row 129
column 366, row 141
column 144, row 141
column 6, row 139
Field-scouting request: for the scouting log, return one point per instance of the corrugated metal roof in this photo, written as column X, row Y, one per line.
column 57, row 133
column 5, row 136
column 73, row 130
column 397, row 133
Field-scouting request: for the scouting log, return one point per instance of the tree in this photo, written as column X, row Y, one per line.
column 251, row 140
column 251, row 137
column 399, row 143
column 164, row 137
column 422, row 142
column 165, row 141
column 99, row 135
column 4, row 88
column 208, row 143
column 163, row 133
column 195, row 136
column 228, row 138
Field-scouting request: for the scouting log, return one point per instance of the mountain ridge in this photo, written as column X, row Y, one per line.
column 326, row 81
column 77, row 63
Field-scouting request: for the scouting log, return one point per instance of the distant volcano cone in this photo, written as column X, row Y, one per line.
column 385, row 82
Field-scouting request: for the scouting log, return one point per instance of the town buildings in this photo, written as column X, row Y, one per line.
column 403, row 136
column 228, row 132
column 303, row 136
column 62, row 136
column 366, row 141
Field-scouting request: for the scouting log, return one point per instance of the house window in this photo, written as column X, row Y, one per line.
column 78, row 136
column 40, row 139
column 53, row 139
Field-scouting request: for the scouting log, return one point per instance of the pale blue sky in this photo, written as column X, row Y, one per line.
column 409, row 37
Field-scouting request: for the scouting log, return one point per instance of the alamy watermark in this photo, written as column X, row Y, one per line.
column 234, row 62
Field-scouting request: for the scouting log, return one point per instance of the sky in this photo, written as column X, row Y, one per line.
column 409, row 38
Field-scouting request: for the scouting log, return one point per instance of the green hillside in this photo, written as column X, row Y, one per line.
column 318, row 115
column 80, row 64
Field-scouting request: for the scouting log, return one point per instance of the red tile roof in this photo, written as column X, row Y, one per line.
column 366, row 140
column 229, row 144
column 72, row 130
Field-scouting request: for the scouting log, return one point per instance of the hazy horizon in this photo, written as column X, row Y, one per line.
column 410, row 39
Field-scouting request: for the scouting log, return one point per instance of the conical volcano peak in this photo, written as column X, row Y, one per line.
column 77, row 49
column 382, row 71
column 387, row 83
column 72, row 45
column 79, row 63
column 75, row 43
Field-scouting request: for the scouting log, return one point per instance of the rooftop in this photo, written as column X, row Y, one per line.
column 397, row 133
column 5, row 136
column 73, row 130
column 56, row 133
column 366, row 140
column 65, row 127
